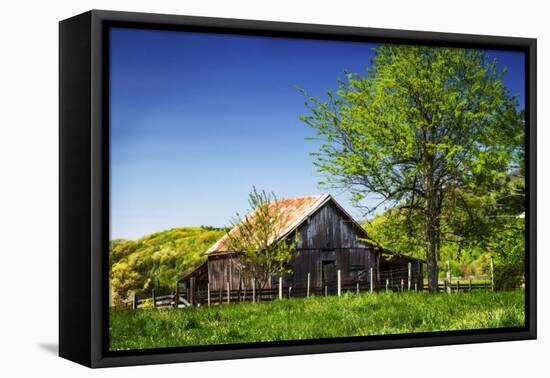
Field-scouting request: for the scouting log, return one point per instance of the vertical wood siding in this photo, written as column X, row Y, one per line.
column 328, row 235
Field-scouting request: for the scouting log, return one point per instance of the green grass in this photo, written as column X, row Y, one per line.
column 316, row 317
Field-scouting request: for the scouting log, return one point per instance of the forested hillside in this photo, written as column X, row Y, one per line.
column 156, row 261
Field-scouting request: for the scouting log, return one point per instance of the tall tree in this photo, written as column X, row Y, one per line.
column 421, row 128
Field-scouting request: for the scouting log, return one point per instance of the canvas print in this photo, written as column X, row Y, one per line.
column 267, row 189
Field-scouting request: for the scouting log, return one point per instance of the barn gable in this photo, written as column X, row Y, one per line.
column 328, row 227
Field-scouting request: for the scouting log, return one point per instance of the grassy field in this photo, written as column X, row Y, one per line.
column 316, row 317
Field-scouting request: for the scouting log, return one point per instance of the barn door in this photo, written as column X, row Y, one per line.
column 329, row 272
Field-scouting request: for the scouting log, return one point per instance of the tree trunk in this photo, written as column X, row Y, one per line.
column 432, row 233
column 431, row 253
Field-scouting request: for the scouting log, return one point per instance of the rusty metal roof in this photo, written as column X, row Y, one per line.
column 293, row 212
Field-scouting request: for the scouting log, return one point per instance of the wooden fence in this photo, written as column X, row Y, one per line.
column 207, row 297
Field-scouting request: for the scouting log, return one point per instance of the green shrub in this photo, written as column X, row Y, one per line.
column 147, row 303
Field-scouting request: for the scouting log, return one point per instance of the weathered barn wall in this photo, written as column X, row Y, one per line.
column 328, row 242
column 223, row 270
column 353, row 263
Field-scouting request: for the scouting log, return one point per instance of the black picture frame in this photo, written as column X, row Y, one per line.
column 84, row 187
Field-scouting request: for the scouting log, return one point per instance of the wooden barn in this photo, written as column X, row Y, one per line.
column 328, row 240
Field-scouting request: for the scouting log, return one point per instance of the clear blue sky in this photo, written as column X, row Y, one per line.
column 198, row 119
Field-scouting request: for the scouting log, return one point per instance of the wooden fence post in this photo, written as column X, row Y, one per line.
column 228, row 293
column 418, row 265
column 371, row 280
column 470, row 285
column 415, row 287
column 402, row 284
column 208, row 293
column 409, row 278
column 280, row 287
column 177, row 295
column 253, row 291
column 458, row 286
column 326, row 291
column 289, row 291
column 387, row 284
column 492, row 275
column 308, row 283
column 192, row 291
column 220, row 297
column 448, row 269
column 154, row 299
column 357, row 288
column 339, row 283
column 134, row 302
